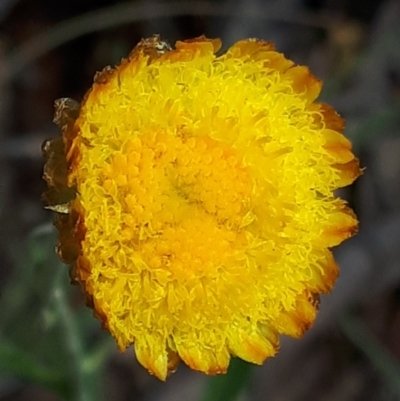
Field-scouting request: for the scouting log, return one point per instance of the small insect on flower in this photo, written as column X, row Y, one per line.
column 195, row 200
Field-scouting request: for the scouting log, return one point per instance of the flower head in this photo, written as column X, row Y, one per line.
column 196, row 201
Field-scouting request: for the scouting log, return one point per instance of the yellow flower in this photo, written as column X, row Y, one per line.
column 196, row 200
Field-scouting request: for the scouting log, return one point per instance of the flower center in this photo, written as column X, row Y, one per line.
column 184, row 200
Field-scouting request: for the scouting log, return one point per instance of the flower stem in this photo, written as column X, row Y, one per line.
column 228, row 387
column 72, row 341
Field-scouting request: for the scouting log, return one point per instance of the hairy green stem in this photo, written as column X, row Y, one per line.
column 72, row 340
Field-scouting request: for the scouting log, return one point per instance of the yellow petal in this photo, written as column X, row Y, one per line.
column 207, row 359
column 347, row 172
column 328, row 118
column 253, row 346
column 299, row 319
column 151, row 352
column 252, row 48
column 342, row 224
column 304, row 83
column 338, row 146
column 324, row 273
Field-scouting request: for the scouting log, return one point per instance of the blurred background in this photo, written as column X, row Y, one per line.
column 51, row 348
